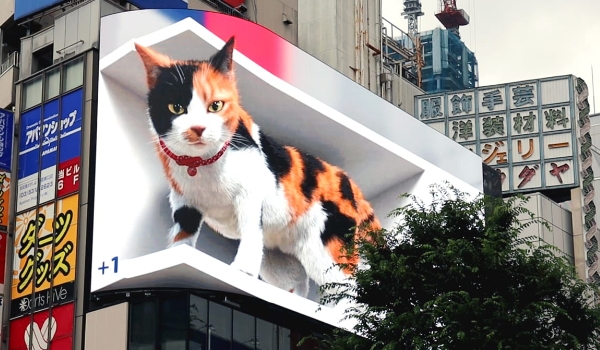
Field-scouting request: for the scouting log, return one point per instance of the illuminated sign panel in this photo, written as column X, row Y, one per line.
column 525, row 130
column 301, row 105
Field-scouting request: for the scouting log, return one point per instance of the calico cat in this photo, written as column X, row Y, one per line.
column 291, row 211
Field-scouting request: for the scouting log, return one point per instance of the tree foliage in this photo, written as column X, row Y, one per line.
column 456, row 273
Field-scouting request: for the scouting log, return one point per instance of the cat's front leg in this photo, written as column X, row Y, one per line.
column 187, row 221
column 250, row 251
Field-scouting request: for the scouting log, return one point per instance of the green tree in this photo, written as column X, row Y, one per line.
column 457, row 274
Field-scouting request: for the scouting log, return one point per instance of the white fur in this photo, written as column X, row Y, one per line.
column 232, row 193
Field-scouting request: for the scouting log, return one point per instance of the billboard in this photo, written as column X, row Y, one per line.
column 44, row 261
column 6, row 138
column 525, row 130
column 144, row 175
column 45, row 330
column 44, row 130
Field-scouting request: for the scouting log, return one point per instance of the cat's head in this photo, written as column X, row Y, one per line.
column 193, row 105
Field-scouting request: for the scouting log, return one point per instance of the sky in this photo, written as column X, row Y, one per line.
column 523, row 39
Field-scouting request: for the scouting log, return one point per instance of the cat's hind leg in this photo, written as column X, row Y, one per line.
column 187, row 222
column 284, row 271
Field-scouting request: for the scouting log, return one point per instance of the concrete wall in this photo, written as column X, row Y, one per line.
column 339, row 33
column 7, row 10
column 106, row 329
column 280, row 16
column 558, row 218
column 7, row 87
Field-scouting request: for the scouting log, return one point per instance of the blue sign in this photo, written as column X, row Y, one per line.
column 6, row 139
column 70, row 134
column 29, row 146
column 160, row 4
column 49, row 134
column 25, row 8
column 40, row 155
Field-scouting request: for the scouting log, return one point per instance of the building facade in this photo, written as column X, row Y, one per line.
column 539, row 136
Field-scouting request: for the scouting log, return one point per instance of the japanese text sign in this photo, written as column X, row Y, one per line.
column 6, row 138
column 44, row 247
column 4, row 199
column 46, row 144
column 523, row 129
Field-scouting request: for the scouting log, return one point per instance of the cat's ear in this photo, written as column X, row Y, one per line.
column 152, row 62
column 222, row 61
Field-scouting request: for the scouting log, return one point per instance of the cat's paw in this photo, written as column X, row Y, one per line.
column 252, row 272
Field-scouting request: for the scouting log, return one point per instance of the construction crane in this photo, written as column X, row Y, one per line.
column 451, row 17
column 412, row 12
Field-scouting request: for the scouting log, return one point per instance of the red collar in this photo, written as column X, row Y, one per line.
column 193, row 162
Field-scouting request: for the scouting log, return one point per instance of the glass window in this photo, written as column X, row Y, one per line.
column 243, row 331
column 198, row 323
column 32, row 92
column 266, row 335
column 219, row 318
column 284, row 339
column 73, row 74
column 52, row 83
column 173, row 323
column 142, row 325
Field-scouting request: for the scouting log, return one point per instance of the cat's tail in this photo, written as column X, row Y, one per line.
column 366, row 226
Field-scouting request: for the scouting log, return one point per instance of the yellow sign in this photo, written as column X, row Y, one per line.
column 45, row 246
column 4, row 199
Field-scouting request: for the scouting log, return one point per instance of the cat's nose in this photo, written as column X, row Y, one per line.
column 198, row 130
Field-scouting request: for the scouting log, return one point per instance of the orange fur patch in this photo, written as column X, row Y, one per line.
column 328, row 189
column 181, row 236
column 164, row 160
column 152, row 60
column 335, row 247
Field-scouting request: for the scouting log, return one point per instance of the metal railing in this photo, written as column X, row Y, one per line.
column 11, row 61
column 226, row 9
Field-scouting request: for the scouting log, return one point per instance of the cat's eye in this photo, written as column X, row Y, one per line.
column 216, row 106
column 176, row 108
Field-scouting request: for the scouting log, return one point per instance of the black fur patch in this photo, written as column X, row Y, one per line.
column 242, row 138
column 278, row 157
column 173, row 85
column 346, row 189
column 188, row 219
column 337, row 224
column 312, row 168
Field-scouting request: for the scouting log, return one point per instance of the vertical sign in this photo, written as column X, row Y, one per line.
column 34, row 138
column 54, row 231
column 70, row 143
column 3, row 246
column 4, row 200
column 6, row 138
column 45, row 331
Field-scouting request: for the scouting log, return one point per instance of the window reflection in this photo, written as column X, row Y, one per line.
column 187, row 321
column 243, row 331
column 142, row 324
column 198, row 323
column 219, row 327
column 266, row 335
column 173, row 323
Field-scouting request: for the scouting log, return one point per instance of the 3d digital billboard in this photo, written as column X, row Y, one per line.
column 194, row 186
